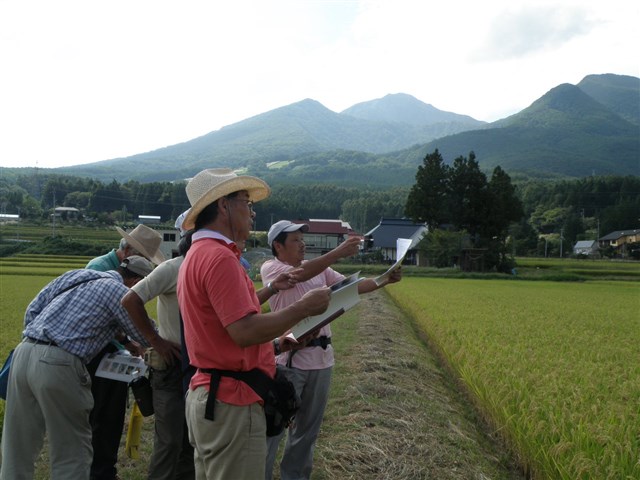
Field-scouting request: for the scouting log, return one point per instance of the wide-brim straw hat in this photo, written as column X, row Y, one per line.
column 214, row 183
column 146, row 241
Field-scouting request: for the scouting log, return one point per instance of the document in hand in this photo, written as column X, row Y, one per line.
column 402, row 247
column 121, row 366
column 344, row 295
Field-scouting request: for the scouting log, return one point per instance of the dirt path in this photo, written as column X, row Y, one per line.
column 394, row 413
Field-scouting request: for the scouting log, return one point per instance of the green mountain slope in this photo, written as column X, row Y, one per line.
column 619, row 93
column 282, row 134
column 570, row 131
column 564, row 132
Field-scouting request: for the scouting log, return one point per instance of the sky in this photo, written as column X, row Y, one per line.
column 89, row 80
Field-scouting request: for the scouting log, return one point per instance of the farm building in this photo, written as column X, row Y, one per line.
column 149, row 219
column 383, row 237
column 9, row 217
column 324, row 235
column 585, row 247
column 66, row 213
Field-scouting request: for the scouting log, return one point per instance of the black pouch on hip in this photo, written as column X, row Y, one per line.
column 142, row 392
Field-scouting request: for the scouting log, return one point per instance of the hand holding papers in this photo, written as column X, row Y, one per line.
column 402, row 247
column 344, row 295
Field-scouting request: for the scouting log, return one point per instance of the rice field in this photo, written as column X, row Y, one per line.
column 554, row 367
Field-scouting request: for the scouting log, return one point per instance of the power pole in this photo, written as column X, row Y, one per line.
column 53, row 225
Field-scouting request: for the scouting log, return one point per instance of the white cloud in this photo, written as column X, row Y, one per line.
column 87, row 81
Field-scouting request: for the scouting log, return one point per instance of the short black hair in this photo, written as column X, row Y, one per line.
column 209, row 213
column 281, row 238
column 185, row 243
column 126, row 273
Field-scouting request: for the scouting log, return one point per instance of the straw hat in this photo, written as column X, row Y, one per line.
column 210, row 185
column 146, row 241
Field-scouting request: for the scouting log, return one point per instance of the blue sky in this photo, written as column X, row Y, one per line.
column 86, row 81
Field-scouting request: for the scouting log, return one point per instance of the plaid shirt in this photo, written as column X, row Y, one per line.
column 85, row 318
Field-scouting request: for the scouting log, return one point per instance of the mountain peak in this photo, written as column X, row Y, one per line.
column 405, row 108
column 564, row 103
column 620, row 93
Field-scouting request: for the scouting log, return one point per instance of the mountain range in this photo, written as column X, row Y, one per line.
column 571, row 131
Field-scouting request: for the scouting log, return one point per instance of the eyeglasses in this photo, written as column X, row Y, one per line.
column 248, row 202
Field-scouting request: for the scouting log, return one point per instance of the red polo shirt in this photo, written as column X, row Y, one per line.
column 213, row 292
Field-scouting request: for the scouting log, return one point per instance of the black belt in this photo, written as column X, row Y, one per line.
column 319, row 342
column 41, row 342
column 322, row 341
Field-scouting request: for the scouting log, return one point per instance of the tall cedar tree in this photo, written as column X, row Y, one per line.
column 461, row 196
column 428, row 197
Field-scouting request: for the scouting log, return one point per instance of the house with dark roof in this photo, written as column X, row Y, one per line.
column 324, row 235
column 384, row 236
column 620, row 240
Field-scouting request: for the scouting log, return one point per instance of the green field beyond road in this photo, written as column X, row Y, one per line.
column 553, row 366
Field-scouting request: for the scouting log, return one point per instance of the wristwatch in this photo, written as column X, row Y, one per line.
column 272, row 289
column 276, row 346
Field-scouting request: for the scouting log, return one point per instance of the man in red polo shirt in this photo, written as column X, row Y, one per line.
column 224, row 326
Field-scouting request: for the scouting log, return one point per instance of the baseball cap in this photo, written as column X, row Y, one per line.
column 180, row 221
column 138, row 265
column 284, row 226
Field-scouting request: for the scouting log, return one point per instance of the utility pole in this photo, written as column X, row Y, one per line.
column 53, row 224
column 561, row 239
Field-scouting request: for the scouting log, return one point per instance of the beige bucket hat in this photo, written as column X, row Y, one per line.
column 210, row 185
column 146, row 241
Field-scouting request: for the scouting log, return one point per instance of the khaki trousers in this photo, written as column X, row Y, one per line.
column 49, row 391
column 233, row 445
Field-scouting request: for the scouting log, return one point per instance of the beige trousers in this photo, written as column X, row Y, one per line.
column 49, row 391
column 233, row 445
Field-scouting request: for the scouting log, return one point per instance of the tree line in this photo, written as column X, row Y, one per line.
column 526, row 216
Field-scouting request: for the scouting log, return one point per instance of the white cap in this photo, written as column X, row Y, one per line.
column 284, row 226
column 180, row 220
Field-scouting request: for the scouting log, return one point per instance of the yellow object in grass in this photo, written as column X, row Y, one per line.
column 134, row 432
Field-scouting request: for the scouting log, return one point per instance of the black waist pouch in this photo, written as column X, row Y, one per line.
column 143, row 394
column 281, row 401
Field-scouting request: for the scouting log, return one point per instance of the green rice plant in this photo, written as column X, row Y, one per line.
column 573, row 263
column 553, row 366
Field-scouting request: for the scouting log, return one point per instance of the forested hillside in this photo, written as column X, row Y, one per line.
column 582, row 208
